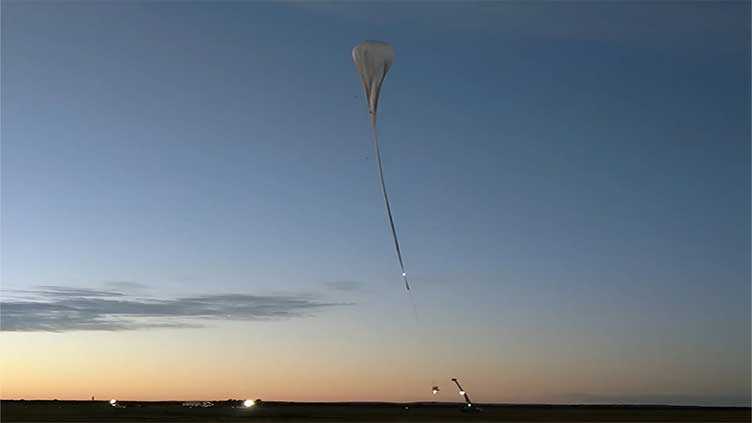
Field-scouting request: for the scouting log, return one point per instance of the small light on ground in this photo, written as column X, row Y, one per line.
column 248, row 403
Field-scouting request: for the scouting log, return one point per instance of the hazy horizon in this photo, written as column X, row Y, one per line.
column 190, row 206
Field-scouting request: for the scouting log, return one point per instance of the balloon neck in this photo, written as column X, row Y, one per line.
column 373, row 119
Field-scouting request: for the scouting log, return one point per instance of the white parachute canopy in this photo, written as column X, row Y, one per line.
column 372, row 60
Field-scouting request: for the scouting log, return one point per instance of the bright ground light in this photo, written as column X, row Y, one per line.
column 248, row 403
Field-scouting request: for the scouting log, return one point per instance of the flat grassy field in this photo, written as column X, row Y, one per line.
column 100, row 411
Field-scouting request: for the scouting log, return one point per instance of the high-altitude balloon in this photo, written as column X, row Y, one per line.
column 372, row 60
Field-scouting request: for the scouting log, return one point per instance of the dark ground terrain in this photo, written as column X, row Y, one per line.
column 101, row 411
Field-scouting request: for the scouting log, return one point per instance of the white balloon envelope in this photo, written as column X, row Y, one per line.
column 372, row 60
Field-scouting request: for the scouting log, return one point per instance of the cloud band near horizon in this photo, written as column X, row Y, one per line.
column 61, row 309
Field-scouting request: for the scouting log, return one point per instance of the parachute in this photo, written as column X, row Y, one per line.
column 372, row 60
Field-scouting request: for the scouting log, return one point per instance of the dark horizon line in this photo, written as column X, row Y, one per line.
column 435, row 403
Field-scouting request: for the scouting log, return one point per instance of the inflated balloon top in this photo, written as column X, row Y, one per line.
column 372, row 60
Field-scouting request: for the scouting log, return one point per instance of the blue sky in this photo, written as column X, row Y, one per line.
column 564, row 176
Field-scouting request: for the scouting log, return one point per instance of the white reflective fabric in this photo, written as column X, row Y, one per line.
column 372, row 60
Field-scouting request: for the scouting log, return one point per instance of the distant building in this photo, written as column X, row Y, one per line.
column 195, row 404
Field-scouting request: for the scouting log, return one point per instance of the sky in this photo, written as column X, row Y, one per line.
column 191, row 209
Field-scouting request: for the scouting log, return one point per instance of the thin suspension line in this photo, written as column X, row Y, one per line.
column 386, row 202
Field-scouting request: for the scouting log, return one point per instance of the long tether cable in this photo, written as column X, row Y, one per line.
column 386, row 202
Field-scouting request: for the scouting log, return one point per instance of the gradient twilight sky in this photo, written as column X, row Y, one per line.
column 570, row 181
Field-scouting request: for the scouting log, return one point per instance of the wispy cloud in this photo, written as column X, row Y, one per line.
column 126, row 286
column 59, row 309
column 347, row 286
